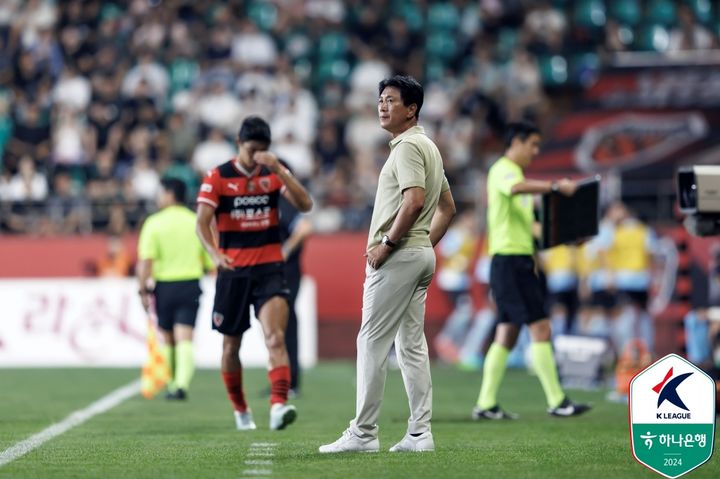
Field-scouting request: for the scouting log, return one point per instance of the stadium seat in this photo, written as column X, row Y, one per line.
column 182, row 74
column 297, row 45
column 507, row 41
column 332, row 45
column 553, row 70
column 661, row 12
column 627, row 12
column 652, row 38
column 590, row 13
column 703, row 10
column 332, row 69
column 263, row 14
column 434, row 70
column 411, row 13
column 443, row 16
column 584, row 68
column 303, row 68
column 440, row 45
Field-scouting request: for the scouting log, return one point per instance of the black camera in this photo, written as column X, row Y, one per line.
column 699, row 198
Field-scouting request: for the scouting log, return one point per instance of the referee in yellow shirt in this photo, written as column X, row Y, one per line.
column 171, row 262
column 514, row 282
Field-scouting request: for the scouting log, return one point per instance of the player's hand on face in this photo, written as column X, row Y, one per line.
column 567, row 187
column 377, row 256
column 222, row 261
column 268, row 159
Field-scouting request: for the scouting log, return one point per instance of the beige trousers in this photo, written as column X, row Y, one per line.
column 394, row 309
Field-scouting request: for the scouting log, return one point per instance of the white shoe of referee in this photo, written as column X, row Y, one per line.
column 350, row 442
column 422, row 443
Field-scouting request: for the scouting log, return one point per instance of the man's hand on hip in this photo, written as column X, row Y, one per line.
column 378, row 255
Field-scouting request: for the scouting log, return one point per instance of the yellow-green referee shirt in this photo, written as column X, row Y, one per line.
column 509, row 217
column 168, row 239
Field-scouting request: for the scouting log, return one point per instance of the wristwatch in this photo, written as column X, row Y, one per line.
column 388, row 242
column 554, row 187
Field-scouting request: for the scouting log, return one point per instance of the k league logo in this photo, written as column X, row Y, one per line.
column 668, row 391
column 672, row 416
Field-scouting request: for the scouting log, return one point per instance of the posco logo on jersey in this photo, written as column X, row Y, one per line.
column 259, row 200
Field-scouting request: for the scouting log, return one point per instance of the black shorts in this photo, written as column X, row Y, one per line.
column 234, row 294
column 177, row 302
column 604, row 299
column 569, row 299
column 517, row 290
column 637, row 298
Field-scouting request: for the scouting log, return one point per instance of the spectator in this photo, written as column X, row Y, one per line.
column 71, row 140
column 28, row 184
column 253, row 48
column 689, row 35
column 31, row 134
column 148, row 71
column 211, row 152
column 220, row 109
column 144, row 179
column 67, row 211
column 115, row 262
column 72, row 90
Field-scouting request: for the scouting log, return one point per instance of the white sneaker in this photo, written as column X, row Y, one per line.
column 422, row 443
column 244, row 421
column 350, row 442
column 281, row 415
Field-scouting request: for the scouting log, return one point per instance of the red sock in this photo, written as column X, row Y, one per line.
column 233, row 384
column 279, row 384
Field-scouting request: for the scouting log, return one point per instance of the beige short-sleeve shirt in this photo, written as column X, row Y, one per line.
column 414, row 161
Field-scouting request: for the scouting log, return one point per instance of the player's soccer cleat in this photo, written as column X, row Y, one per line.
column 281, row 415
column 567, row 408
column 244, row 421
column 176, row 395
column 422, row 443
column 494, row 414
column 350, row 442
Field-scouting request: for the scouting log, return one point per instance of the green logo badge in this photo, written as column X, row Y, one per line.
column 672, row 416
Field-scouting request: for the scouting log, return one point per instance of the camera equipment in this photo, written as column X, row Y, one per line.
column 699, row 198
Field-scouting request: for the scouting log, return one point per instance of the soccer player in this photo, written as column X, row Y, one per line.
column 514, row 282
column 171, row 256
column 632, row 247
column 413, row 208
column 294, row 230
column 241, row 196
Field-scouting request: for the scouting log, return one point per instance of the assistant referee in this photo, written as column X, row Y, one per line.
column 171, row 262
column 514, row 282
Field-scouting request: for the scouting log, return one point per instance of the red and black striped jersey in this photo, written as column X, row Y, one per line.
column 246, row 212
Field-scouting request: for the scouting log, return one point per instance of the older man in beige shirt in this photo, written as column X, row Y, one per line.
column 413, row 208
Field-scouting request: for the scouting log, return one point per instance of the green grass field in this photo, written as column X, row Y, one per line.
column 196, row 439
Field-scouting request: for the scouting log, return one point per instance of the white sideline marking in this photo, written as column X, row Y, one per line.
column 260, row 449
column 75, row 419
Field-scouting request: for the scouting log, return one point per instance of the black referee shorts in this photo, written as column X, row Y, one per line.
column 177, row 302
column 234, row 294
column 518, row 292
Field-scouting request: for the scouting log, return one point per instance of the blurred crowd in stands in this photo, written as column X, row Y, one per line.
column 100, row 99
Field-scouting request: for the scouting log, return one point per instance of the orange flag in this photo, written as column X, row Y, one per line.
column 155, row 373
